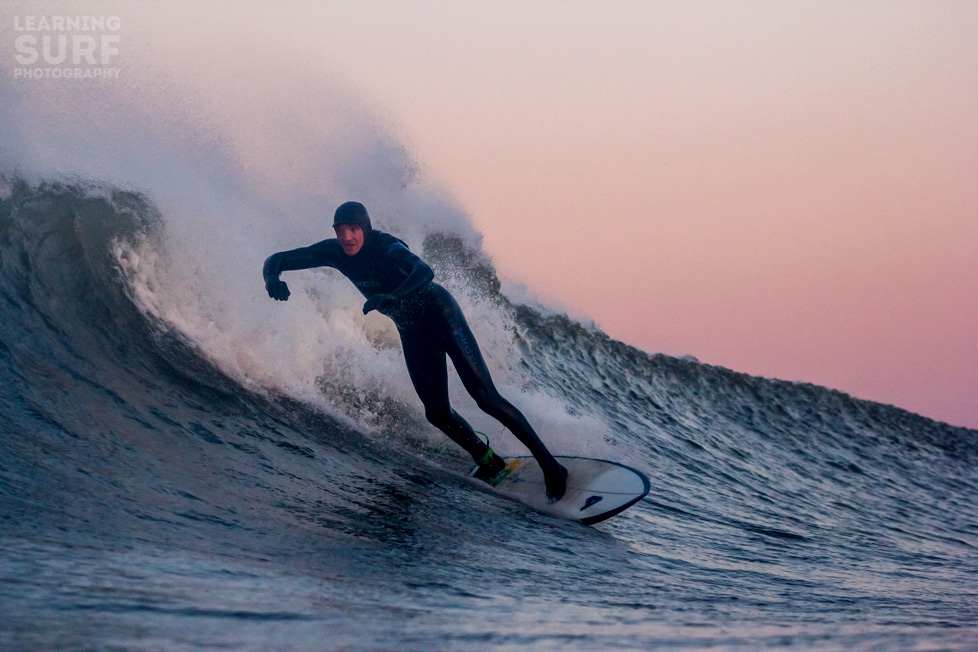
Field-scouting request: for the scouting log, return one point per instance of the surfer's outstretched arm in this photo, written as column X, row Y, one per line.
column 285, row 261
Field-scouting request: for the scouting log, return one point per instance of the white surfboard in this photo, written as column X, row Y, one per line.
column 596, row 489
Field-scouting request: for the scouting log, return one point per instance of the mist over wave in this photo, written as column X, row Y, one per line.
column 186, row 464
column 237, row 181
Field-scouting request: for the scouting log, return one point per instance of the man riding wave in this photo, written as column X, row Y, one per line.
column 397, row 283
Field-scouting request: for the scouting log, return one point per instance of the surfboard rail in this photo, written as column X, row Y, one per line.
column 597, row 489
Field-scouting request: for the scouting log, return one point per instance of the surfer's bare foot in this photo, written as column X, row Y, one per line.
column 556, row 479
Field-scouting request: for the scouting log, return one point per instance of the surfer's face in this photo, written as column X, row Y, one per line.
column 350, row 237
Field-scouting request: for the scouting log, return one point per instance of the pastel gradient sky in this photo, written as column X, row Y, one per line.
column 787, row 189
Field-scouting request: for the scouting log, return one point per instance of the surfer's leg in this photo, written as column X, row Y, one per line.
column 467, row 358
column 429, row 374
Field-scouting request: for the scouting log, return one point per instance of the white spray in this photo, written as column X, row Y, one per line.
column 240, row 171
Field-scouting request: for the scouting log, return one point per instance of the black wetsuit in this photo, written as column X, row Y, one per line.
column 430, row 324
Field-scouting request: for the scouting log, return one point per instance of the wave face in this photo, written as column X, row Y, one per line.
column 158, row 494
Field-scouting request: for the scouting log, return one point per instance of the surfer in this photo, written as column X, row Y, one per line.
column 397, row 283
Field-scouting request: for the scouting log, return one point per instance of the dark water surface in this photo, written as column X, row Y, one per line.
column 149, row 502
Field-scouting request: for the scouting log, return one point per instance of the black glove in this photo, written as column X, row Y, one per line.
column 377, row 302
column 278, row 290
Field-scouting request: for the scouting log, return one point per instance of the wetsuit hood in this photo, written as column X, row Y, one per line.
column 353, row 212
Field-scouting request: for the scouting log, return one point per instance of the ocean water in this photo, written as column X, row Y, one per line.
column 180, row 470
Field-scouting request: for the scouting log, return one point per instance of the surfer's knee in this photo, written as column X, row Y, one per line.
column 438, row 417
column 491, row 402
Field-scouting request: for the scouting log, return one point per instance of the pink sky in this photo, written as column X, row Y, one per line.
column 787, row 189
